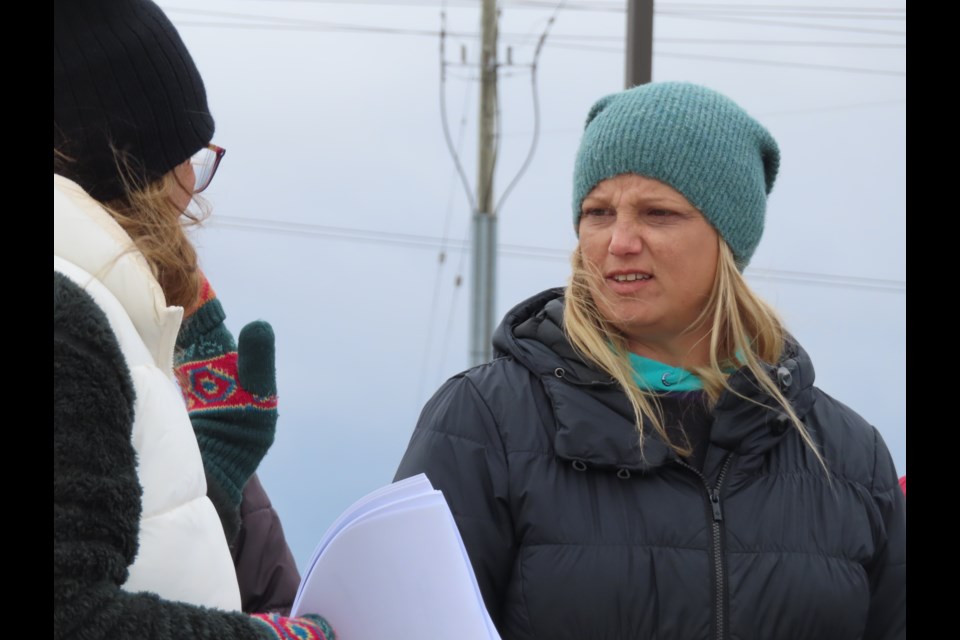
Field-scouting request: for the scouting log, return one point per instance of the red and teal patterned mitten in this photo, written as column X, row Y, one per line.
column 307, row 627
column 230, row 390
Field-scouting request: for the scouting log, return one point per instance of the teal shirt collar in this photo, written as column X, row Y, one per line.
column 656, row 376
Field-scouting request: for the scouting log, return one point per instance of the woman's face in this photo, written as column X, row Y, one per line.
column 654, row 257
column 182, row 188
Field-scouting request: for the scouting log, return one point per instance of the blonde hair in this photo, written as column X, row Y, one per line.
column 157, row 227
column 743, row 331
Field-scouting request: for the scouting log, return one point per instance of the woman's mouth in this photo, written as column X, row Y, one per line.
column 630, row 277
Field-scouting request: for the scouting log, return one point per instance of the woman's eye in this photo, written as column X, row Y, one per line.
column 660, row 213
column 596, row 212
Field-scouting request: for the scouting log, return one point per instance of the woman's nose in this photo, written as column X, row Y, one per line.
column 625, row 238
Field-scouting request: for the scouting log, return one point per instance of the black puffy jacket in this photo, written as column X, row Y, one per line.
column 573, row 534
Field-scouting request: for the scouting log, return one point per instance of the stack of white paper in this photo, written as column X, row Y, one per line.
column 393, row 566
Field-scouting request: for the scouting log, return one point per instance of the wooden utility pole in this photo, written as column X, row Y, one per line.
column 639, row 67
column 484, row 244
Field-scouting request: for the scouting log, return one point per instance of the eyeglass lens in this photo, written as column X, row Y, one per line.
column 204, row 166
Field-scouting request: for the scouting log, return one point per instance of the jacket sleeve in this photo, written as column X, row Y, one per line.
column 266, row 570
column 457, row 445
column 96, row 492
column 888, row 571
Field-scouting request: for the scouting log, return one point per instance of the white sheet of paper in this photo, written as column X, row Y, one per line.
column 393, row 566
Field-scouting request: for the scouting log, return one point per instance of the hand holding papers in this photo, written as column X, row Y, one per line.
column 393, row 566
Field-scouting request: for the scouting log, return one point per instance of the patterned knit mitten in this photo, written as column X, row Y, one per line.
column 231, row 391
column 306, row 627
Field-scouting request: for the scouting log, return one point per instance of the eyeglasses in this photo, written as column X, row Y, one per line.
column 205, row 163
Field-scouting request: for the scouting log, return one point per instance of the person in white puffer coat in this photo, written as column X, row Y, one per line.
column 144, row 491
column 181, row 553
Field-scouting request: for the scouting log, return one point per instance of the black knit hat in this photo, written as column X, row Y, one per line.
column 124, row 80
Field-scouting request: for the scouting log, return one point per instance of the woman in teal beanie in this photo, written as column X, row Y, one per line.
column 647, row 455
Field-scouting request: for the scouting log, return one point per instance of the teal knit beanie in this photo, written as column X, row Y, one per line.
column 692, row 138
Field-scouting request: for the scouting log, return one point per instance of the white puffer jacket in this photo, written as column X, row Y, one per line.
column 183, row 554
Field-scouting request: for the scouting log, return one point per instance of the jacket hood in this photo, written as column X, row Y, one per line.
column 532, row 332
column 593, row 417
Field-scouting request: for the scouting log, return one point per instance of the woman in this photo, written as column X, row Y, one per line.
column 139, row 549
column 647, row 455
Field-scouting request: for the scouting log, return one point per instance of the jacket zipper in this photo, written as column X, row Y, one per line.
column 719, row 573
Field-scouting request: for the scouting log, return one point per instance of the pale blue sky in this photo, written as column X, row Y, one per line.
column 337, row 193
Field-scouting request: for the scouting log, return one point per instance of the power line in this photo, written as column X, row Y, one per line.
column 794, row 25
column 781, row 14
column 776, row 63
column 420, row 32
column 443, row 115
column 769, row 63
column 303, row 230
column 596, row 6
column 557, row 40
column 579, row 38
column 441, row 257
column 828, row 280
column 770, row 114
column 779, row 7
column 862, row 105
column 457, row 287
column 264, row 22
column 301, row 24
column 309, row 27
column 458, row 280
column 781, row 43
column 456, row 155
column 283, row 21
column 619, row 7
column 536, row 107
